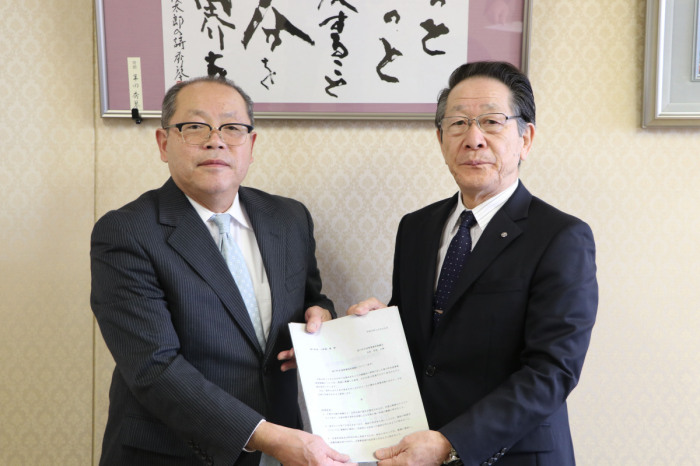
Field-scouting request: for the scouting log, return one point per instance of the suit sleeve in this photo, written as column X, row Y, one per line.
column 560, row 313
column 131, row 307
column 313, row 295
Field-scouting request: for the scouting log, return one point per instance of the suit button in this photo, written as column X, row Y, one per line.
column 430, row 370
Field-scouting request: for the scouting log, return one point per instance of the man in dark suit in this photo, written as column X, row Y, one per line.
column 496, row 353
column 194, row 384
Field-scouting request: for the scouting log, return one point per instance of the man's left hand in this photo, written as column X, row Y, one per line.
column 423, row 448
column 314, row 317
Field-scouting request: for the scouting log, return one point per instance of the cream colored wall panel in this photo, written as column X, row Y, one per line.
column 357, row 179
column 46, row 183
column 128, row 162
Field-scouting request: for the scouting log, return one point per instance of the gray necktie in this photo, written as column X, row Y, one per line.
column 237, row 265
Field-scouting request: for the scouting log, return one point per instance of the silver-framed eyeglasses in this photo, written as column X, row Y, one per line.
column 490, row 123
column 197, row 133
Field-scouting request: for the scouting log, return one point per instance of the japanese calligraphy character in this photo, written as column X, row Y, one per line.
column 283, row 24
column 255, row 21
column 345, row 4
column 342, row 2
column 390, row 53
column 212, row 68
column 176, row 8
column 210, row 14
column 178, row 21
column 433, row 32
column 332, row 84
column 178, row 42
column 392, row 16
column 270, row 74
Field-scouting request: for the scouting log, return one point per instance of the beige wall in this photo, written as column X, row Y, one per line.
column 62, row 166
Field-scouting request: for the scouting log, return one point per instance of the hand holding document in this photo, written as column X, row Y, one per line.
column 358, row 381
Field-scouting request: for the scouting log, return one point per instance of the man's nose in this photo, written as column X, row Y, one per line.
column 215, row 139
column 473, row 136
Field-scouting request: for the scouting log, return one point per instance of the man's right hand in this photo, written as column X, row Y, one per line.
column 363, row 307
column 293, row 447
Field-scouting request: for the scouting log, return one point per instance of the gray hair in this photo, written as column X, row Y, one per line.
column 168, row 108
column 522, row 99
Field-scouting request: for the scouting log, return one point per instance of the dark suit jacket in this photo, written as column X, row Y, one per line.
column 496, row 373
column 191, row 382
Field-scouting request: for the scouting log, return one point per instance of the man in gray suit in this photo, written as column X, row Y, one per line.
column 193, row 382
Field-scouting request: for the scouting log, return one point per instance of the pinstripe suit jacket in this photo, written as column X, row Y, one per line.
column 496, row 372
column 191, row 382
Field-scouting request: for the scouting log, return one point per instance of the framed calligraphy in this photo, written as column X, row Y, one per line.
column 304, row 59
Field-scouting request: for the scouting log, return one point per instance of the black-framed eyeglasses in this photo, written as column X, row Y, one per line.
column 490, row 123
column 197, row 133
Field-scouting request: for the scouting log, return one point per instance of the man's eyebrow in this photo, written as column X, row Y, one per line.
column 197, row 113
column 204, row 115
column 489, row 106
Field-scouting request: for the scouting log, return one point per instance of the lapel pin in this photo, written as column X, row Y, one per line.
column 504, row 234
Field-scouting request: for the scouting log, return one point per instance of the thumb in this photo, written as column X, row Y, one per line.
column 386, row 453
column 337, row 456
column 313, row 325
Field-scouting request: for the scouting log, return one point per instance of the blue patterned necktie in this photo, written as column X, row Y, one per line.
column 237, row 265
column 460, row 247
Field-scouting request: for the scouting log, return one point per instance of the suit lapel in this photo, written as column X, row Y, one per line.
column 191, row 239
column 502, row 230
column 426, row 251
column 272, row 246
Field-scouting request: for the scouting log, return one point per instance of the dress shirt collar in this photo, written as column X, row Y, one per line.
column 483, row 213
column 236, row 211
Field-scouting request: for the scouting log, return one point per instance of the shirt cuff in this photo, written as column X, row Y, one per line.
column 251, row 436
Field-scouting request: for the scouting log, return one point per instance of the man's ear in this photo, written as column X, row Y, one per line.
column 528, row 138
column 438, row 133
column 162, row 140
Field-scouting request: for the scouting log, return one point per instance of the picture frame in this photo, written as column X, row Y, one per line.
column 671, row 91
column 696, row 44
column 130, row 44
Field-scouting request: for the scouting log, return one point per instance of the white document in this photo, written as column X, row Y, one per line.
column 358, row 381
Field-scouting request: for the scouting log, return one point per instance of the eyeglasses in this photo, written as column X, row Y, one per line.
column 195, row 133
column 490, row 123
